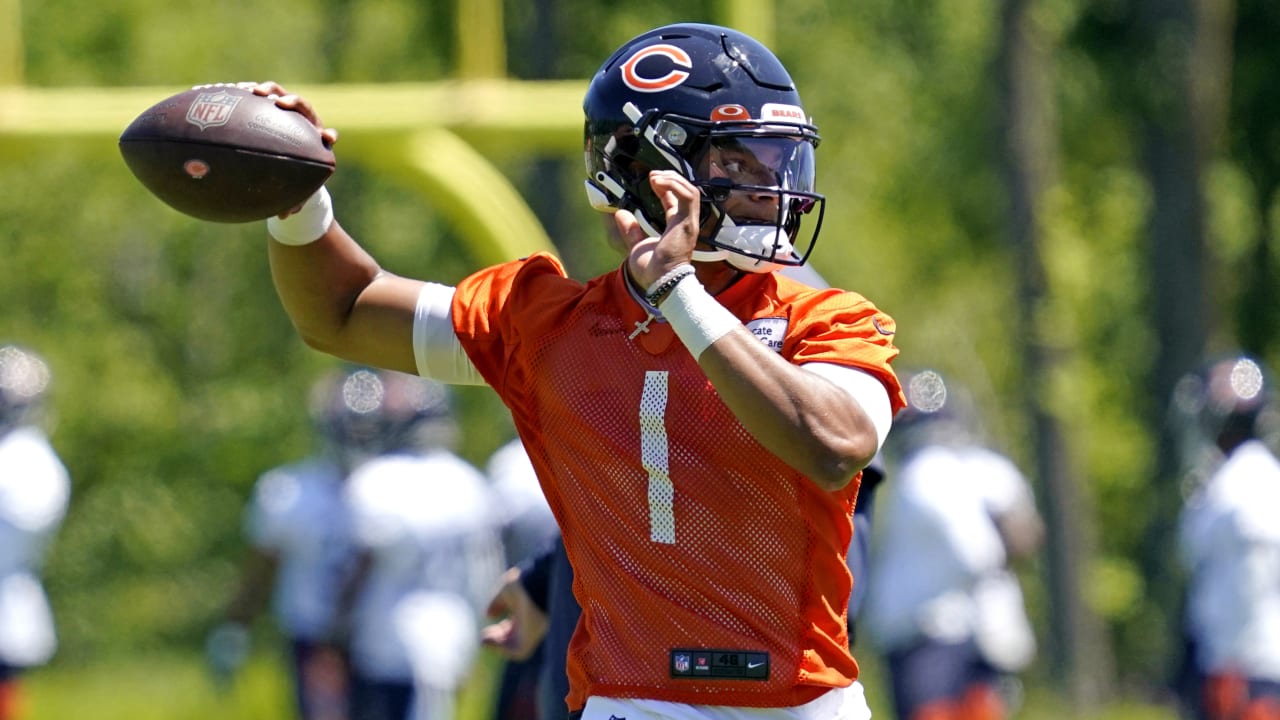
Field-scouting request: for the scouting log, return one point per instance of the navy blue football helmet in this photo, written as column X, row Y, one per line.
column 938, row 412
column 1215, row 408
column 364, row 412
column 1229, row 400
column 718, row 107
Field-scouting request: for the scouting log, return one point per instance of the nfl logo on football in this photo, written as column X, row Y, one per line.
column 211, row 109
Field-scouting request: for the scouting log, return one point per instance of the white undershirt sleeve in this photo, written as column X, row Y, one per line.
column 865, row 389
column 436, row 348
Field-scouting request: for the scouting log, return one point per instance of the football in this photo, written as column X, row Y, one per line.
column 221, row 153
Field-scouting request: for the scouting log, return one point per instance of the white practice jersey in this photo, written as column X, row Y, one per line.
column 430, row 527
column 34, row 492
column 1230, row 542
column 938, row 555
column 298, row 514
column 528, row 526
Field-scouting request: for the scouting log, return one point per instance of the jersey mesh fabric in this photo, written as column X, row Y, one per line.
column 684, row 532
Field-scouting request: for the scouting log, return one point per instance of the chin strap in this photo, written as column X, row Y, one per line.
column 758, row 240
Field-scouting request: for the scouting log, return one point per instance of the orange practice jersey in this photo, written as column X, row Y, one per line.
column 708, row 571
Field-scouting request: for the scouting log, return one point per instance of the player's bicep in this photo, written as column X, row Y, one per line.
column 379, row 327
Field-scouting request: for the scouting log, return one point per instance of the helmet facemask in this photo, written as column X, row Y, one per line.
column 758, row 189
column 756, row 179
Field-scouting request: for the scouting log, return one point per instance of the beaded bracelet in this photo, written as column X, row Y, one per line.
column 661, row 288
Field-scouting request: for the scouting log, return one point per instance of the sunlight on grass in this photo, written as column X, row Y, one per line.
column 181, row 688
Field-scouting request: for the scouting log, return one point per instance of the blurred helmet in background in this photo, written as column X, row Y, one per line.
column 365, row 412
column 24, row 382
column 1226, row 402
column 938, row 412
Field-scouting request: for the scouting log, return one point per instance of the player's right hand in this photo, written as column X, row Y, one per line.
column 298, row 104
column 295, row 102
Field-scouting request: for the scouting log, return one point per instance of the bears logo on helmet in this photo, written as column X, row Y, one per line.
column 673, row 77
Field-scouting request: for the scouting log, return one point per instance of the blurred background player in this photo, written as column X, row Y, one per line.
column 858, row 558
column 943, row 605
column 34, row 492
column 429, row 552
column 528, row 530
column 527, row 523
column 1230, row 542
column 301, row 553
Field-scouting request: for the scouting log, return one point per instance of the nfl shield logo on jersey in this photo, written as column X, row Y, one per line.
column 682, row 663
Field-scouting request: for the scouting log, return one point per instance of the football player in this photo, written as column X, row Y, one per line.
column 427, row 533
column 698, row 422
column 529, row 529
column 34, row 492
column 944, row 605
column 1230, row 542
column 300, row 551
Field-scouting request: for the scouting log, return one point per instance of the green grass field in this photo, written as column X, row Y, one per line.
column 180, row 688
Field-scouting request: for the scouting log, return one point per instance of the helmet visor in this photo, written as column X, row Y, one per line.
column 762, row 181
column 776, row 163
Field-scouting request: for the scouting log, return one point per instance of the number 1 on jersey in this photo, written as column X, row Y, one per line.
column 655, row 459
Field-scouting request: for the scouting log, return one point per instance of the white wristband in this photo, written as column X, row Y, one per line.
column 306, row 225
column 697, row 318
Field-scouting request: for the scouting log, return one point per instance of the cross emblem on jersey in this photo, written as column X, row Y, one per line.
column 641, row 327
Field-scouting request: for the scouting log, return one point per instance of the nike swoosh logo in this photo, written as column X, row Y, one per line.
column 753, row 666
column 879, row 329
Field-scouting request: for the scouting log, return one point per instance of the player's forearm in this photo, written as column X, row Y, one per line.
column 804, row 419
column 808, row 421
column 338, row 298
column 342, row 303
column 318, row 284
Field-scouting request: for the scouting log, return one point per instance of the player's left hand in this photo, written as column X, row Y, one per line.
column 522, row 625
column 648, row 259
column 226, row 650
